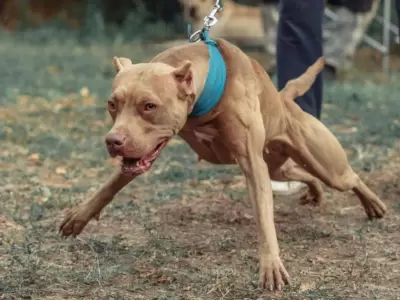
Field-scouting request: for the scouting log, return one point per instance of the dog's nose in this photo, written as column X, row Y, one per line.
column 115, row 141
column 192, row 12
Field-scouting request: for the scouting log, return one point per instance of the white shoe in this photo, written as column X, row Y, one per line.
column 286, row 188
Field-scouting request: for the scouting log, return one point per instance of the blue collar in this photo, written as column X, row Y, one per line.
column 215, row 82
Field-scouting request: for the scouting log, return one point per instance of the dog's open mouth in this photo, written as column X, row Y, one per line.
column 136, row 166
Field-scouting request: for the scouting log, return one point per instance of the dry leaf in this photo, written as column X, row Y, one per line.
column 355, row 118
column 57, row 184
column 61, row 170
column 23, row 100
column 346, row 129
column 6, row 113
column 42, row 200
column 34, row 157
column 150, row 273
column 306, row 286
column 88, row 101
column 329, row 106
column 62, row 104
column 247, row 216
column 5, row 166
column 166, row 279
column 324, row 116
column 53, row 69
column 98, row 123
column 6, row 223
column 8, row 130
column 84, row 92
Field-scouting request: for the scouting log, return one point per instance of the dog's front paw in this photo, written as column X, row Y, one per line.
column 273, row 275
column 76, row 220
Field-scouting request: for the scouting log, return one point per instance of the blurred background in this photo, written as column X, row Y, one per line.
column 129, row 21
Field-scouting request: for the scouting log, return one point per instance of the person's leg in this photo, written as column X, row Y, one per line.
column 299, row 45
column 398, row 14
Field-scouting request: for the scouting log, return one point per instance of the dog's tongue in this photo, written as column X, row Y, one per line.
column 136, row 166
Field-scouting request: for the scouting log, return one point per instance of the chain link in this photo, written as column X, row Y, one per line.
column 209, row 21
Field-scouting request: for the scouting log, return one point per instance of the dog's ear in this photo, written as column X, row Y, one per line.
column 121, row 62
column 184, row 76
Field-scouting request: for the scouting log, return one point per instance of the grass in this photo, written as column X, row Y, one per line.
column 184, row 230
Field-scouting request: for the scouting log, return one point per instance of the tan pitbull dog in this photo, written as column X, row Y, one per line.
column 253, row 125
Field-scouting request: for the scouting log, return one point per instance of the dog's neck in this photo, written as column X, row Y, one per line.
column 200, row 71
column 199, row 57
column 209, row 91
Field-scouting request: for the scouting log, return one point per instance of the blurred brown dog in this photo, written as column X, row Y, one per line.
column 235, row 21
column 253, row 125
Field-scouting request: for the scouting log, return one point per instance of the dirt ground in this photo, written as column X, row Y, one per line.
column 184, row 230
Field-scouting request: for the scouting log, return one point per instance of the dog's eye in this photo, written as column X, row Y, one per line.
column 150, row 106
column 111, row 105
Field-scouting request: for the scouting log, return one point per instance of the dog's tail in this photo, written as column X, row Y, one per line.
column 299, row 86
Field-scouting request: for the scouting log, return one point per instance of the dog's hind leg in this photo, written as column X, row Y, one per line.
column 313, row 146
column 290, row 171
column 317, row 150
column 283, row 168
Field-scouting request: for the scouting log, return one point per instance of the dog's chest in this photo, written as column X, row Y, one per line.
column 207, row 142
column 203, row 137
column 205, row 134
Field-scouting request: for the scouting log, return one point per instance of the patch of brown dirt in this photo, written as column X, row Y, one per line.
column 332, row 252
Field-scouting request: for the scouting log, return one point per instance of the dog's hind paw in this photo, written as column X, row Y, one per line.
column 310, row 198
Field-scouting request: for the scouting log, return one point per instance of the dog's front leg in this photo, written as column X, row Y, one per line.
column 249, row 150
column 78, row 217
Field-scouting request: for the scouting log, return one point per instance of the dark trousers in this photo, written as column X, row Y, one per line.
column 398, row 14
column 299, row 45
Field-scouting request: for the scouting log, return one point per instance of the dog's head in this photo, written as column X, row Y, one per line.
column 149, row 104
column 196, row 10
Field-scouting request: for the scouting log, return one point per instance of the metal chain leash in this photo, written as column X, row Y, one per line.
column 209, row 21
